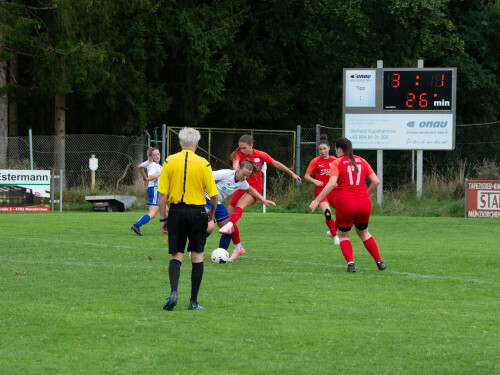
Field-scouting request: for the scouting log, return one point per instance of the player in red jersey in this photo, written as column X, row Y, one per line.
column 354, row 205
column 241, row 198
column 320, row 166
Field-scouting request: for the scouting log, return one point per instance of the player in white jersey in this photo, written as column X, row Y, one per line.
column 227, row 182
column 150, row 171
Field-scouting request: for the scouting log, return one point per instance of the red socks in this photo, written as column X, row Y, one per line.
column 372, row 248
column 346, row 248
column 238, row 211
column 236, row 235
column 331, row 225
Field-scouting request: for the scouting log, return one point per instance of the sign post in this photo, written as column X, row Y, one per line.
column 93, row 165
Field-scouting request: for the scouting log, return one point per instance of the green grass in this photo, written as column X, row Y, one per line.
column 79, row 295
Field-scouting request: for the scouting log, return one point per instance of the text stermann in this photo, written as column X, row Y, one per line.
column 23, row 178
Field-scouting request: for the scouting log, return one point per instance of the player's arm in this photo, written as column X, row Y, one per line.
column 309, row 178
column 214, row 201
column 285, row 169
column 153, row 176
column 374, row 181
column 253, row 192
column 332, row 182
column 142, row 172
column 162, row 204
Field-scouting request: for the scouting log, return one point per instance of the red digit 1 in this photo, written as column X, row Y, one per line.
column 423, row 102
column 410, row 98
column 442, row 80
column 395, row 80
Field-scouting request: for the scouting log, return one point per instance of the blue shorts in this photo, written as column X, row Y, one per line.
column 153, row 196
column 221, row 213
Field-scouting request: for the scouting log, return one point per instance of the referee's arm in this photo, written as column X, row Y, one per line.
column 162, row 203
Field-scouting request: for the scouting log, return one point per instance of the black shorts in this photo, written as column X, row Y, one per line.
column 186, row 222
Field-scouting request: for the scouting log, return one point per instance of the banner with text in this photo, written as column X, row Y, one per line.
column 482, row 198
column 24, row 190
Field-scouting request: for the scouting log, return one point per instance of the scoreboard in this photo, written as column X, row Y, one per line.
column 400, row 108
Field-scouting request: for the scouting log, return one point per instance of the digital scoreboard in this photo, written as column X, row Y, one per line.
column 417, row 89
column 400, row 108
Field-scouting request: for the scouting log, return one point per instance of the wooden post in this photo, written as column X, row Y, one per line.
column 92, row 175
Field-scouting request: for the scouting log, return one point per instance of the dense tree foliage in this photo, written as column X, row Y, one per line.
column 123, row 66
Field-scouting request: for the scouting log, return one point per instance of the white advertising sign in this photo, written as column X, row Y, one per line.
column 24, row 190
column 400, row 131
column 360, row 86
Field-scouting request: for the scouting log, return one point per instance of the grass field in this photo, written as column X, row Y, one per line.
column 78, row 295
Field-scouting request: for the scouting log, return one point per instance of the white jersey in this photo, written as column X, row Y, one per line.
column 225, row 181
column 152, row 168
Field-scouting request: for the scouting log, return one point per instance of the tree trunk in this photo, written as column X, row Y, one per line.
column 13, row 107
column 60, row 134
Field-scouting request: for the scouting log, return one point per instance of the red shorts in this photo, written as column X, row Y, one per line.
column 350, row 211
column 239, row 193
column 330, row 198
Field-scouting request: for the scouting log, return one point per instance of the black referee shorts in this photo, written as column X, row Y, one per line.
column 186, row 222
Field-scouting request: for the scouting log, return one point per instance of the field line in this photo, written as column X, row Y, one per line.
column 165, row 266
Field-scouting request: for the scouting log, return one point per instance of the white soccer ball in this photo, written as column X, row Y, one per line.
column 220, row 255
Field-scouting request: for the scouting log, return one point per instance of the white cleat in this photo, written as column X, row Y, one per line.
column 336, row 240
column 227, row 228
column 236, row 254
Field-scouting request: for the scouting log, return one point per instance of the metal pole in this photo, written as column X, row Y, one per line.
column 163, row 138
column 420, row 163
column 318, row 135
column 413, row 167
column 380, row 175
column 465, row 208
column 52, row 187
column 297, row 155
column 264, row 172
column 31, row 148
column 209, row 143
column 420, row 157
column 60, row 189
column 380, row 160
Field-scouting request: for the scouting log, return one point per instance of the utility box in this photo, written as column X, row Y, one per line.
column 111, row 203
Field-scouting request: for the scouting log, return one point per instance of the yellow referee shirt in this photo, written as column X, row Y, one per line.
column 184, row 178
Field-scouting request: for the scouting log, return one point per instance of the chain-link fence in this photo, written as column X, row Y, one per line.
column 117, row 156
column 476, row 147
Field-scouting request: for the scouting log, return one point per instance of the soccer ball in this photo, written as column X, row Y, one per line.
column 220, row 255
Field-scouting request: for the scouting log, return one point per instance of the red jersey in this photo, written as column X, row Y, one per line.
column 321, row 168
column 351, row 184
column 257, row 158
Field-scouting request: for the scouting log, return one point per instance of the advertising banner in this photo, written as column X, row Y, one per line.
column 482, row 198
column 24, row 190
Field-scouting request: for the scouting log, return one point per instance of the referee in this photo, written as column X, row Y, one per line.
column 184, row 178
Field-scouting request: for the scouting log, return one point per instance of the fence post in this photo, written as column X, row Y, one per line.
column 420, row 162
column 380, row 174
column 264, row 172
column 297, row 156
column 31, row 148
column 163, row 137
column 318, row 136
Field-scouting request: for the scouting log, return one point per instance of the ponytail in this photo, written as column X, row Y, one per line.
column 346, row 146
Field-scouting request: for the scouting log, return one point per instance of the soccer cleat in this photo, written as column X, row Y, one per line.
column 136, row 229
column 194, row 306
column 329, row 234
column 236, row 254
column 336, row 240
column 381, row 265
column 226, row 229
column 171, row 302
column 351, row 268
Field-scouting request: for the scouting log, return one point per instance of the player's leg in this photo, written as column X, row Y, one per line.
column 245, row 200
column 330, row 223
column 197, row 240
column 361, row 225
column 177, row 239
column 344, row 224
column 153, row 209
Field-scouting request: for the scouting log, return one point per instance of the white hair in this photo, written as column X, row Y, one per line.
column 189, row 137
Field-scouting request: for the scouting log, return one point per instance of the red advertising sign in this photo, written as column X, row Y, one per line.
column 482, row 198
